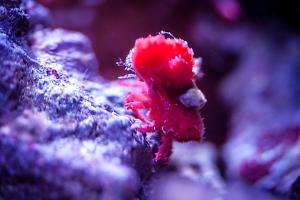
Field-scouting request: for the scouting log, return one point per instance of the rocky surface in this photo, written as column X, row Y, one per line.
column 64, row 132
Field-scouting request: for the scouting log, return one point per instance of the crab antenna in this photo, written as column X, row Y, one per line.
column 167, row 34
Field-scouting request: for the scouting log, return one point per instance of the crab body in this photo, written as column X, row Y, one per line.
column 167, row 68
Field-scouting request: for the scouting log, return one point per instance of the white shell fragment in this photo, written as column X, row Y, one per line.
column 193, row 98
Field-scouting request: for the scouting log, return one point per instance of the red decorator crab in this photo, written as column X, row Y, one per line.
column 168, row 69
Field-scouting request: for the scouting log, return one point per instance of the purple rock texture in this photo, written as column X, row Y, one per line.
column 64, row 133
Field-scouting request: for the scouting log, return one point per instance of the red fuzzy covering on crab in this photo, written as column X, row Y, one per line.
column 164, row 62
column 165, row 65
column 173, row 119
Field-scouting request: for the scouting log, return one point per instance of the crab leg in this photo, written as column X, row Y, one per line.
column 136, row 102
column 165, row 150
column 146, row 129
